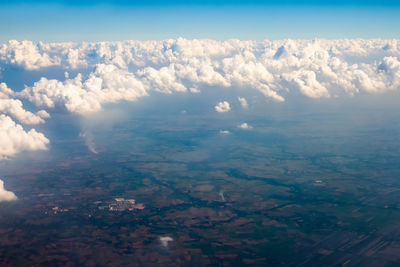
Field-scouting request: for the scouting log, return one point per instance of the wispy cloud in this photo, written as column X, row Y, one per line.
column 243, row 102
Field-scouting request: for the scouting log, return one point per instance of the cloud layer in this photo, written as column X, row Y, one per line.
column 128, row 70
column 110, row 72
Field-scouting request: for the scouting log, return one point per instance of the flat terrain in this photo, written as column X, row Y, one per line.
column 298, row 190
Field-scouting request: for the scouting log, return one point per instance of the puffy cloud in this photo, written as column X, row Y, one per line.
column 307, row 83
column 107, row 84
column 5, row 92
column 245, row 126
column 13, row 108
column 163, row 80
column 27, row 55
column 129, row 69
column 43, row 114
column 243, row 102
column 14, row 139
column 6, row 195
column 223, row 107
column 224, row 132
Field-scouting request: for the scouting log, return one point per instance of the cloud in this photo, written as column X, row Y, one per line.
column 6, row 195
column 223, row 107
column 89, row 141
column 26, row 55
column 245, row 126
column 13, row 108
column 43, row 114
column 194, row 90
column 224, row 132
column 243, row 102
column 14, row 139
column 99, row 73
column 5, row 92
column 130, row 69
column 165, row 240
column 107, row 84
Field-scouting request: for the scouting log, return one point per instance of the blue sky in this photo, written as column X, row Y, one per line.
column 144, row 20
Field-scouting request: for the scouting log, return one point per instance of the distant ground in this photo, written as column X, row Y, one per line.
column 300, row 188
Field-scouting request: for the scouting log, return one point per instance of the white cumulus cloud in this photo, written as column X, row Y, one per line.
column 223, row 107
column 314, row 68
column 107, row 84
column 245, row 126
column 5, row 92
column 27, row 55
column 14, row 139
column 6, row 195
column 13, row 108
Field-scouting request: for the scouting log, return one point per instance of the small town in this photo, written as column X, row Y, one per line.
column 120, row 204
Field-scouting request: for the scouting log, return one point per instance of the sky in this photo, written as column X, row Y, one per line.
column 55, row 21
